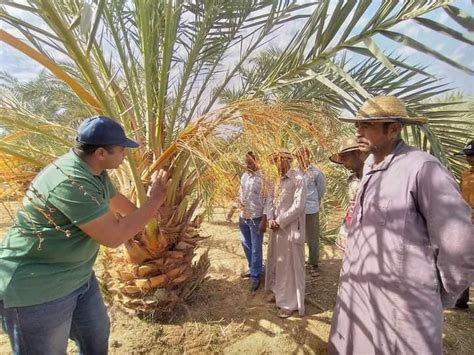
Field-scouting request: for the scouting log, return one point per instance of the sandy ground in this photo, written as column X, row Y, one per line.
column 225, row 318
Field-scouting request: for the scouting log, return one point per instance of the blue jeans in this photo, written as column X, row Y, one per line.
column 252, row 241
column 45, row 328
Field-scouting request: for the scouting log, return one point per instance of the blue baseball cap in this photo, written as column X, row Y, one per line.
column 101, row 130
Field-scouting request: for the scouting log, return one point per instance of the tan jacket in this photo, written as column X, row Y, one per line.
column 467, row 189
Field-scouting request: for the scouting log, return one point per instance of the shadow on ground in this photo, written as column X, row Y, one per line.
column 225, row 318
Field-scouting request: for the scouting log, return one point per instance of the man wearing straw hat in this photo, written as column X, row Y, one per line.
column 467, row 191
column 285, row 274
column 410, row 248
column 349, row 156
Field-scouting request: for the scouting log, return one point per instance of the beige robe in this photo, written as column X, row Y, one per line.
column 285, row 271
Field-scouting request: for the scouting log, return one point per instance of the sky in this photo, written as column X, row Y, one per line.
column 23, row 68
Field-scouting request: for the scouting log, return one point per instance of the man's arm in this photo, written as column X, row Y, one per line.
column 122, row 205
column 321, row 184
column 268, row 192
column 448, row 221
column 112, row 232
column 237, row 202
column 267, row 200
column 230, row 213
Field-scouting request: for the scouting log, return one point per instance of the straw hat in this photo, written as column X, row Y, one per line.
column 347, row 145
column 384, row 109
column 282, row 154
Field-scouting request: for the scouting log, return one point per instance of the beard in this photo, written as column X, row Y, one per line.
column 366, row 147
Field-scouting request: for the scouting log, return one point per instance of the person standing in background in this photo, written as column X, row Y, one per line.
column 349, row 156
column 255, row 202
column 315, row 189
column 285, row 275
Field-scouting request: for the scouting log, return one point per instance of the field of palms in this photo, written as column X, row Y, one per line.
column 199, row 83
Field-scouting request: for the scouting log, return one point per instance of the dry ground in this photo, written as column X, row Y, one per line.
column 225, row 318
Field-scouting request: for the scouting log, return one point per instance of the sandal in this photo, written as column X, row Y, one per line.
column 284, row 313
column 314, row 271
column 245, row 275
column 270, row 298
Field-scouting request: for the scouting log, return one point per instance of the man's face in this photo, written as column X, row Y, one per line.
column 353, row 160
column 373, row 137
column 250, row 163
column 112, row 159
column 283, row 165
column 303, row 158
column 470, row 159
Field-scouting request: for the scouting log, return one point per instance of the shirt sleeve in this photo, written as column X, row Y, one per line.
column 110, row 186
column 448, row 221
column 238, row 199
column 267, row 193
column 81, row 201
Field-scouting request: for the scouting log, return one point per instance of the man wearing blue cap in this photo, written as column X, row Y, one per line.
column 48, row 291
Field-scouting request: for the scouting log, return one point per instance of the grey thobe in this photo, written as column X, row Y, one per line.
column 285, row 271
column 410, row 249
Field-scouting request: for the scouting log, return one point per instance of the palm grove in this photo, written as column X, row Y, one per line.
column 198, row 82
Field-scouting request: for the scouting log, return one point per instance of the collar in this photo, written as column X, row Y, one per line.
column 384, row 165
column 310, row 167
column 352, row 177
column 82, row 163
column 288, row 174
column 255, row 173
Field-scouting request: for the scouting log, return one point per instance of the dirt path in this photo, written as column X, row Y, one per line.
column 225, row 318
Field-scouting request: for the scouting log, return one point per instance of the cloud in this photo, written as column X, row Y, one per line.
column 443, row 18
column 412, row 29
column 455, row 78
column 440, row 47
column 17, row 64
column 463, row 54
column 406, row 51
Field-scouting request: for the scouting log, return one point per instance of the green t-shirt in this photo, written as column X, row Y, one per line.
column 44, row 255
